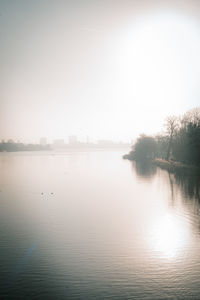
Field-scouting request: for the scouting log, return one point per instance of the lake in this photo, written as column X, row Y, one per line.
column 90, row 225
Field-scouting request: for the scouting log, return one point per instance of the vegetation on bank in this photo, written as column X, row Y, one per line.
column 14, row 147
column 179, row 144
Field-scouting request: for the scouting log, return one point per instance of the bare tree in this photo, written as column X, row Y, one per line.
column 191, row 116
column 171, row 125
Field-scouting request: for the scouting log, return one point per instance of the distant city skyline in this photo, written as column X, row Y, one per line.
column 67, row 141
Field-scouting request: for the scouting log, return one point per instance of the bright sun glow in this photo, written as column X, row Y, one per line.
column 169, row 236
column 159, row 62
column 67, row 78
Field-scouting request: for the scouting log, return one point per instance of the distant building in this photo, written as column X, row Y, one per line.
column 105, row 142
column 72, row 139
column 10, row 141
column 43, row 141
column 58, row 143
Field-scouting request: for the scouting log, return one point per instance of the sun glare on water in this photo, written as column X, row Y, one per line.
column 170, row 236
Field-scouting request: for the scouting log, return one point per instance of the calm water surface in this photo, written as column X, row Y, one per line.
column 90, row 225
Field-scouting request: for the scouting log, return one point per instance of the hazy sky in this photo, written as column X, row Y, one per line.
column 108, row 69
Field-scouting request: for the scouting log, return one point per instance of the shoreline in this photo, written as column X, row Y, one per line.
column 174, row 166
column 171, row 166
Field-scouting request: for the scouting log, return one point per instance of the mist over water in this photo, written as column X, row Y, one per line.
column 90, row 225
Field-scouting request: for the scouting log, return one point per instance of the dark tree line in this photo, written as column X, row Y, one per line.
column 180, row 142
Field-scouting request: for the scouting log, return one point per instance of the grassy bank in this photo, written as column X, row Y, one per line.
column 174, row 166
column 171, row 166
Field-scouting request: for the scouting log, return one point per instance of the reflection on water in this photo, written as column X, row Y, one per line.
column 145, row 169
column 90, row 225
column 189, row 184
column 170, row 232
